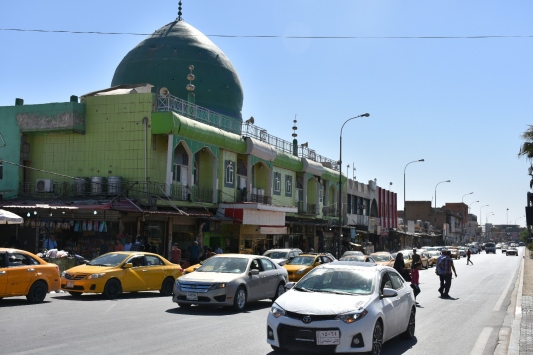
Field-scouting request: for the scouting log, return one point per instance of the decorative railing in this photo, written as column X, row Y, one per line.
column 198, row 113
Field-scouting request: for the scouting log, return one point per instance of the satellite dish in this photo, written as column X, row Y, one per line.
column 164, row 91
column 250, row 120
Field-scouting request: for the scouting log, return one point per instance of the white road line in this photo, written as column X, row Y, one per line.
column 503, row 297
column 47, row 349
column 481, row 341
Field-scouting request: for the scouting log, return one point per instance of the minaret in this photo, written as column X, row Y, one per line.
column 294, row 141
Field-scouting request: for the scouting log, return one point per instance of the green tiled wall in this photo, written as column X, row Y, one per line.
column 281, row 199
column 227, row 192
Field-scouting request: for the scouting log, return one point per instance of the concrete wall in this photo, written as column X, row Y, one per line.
column 10, row 151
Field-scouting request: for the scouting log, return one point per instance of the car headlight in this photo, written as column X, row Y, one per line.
column 301, row 271
column 217, row 286
column 277, row 311
column 96, row 276
column 351, row 317
column 178, row 285
column 63, row 274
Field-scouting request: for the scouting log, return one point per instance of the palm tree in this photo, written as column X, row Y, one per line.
column 527, row 150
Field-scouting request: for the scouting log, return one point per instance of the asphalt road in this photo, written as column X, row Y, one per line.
column 143, row 323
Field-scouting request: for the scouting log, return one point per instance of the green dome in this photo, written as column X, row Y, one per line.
column 163, row 60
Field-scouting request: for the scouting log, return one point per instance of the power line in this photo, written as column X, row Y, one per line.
column 275, row 36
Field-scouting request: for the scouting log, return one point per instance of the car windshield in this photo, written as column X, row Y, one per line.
column 302, row 260
column 341, row 281
column 490, row 245
column 353, row 258
column 227, row 265
column 276, row 254
column 110, row 259
column 380, row 257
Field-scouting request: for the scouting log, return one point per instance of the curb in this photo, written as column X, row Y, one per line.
column 514, row 341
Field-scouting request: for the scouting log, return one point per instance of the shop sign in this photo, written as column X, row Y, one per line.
column 273, row 230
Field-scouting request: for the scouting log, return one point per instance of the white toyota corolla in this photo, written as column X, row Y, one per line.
column 342, row 307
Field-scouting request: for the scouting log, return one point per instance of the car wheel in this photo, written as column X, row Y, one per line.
column 184, row 305
column 167, row 287
column 37, row 292
column 112, row 289
column 410, row 331
column 239, row 301
column 75, row 294
column 279, row 291
column 377, row 339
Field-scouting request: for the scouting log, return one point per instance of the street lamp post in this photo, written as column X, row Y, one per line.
column 464, row 219
column 480, row 213
column 340, row 181
column 487, row 221
column 436, row 204
column 414, row 161
column 507, row 218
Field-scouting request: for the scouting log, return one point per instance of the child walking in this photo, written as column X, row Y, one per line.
column 415, row 279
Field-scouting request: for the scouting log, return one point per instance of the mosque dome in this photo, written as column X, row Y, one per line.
column 163, row 60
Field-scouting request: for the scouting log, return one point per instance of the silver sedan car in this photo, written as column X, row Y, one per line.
column 231, row 280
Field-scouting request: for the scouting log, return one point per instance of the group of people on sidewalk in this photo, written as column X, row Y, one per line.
column 195, row 253
column 443, row 269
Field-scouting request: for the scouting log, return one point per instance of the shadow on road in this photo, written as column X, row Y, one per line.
column 19, row 301
column 87, row 297
column 210, row 311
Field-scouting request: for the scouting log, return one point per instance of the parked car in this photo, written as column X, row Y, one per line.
column 231, row 280
column 303, row 263
column 25, row 274
column 358, row 258
column 511, row 251
column 281, row 256
column 490, row 248
column 123, row 271
column 383, row 258
column 342, row 307
column 433, row 255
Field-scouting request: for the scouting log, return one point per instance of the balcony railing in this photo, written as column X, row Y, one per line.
column 330, row 212
column 198, row 113
column 266, row 200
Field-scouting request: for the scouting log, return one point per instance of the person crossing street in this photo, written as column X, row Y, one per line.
column 468, row 253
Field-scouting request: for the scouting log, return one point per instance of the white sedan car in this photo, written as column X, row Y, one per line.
column 342, row 307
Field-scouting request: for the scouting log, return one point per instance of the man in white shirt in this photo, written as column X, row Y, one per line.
column 127, row 246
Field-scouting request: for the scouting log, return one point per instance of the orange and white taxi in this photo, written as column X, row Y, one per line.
column 25, row 274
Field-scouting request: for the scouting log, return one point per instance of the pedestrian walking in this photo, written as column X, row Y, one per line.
column 399, row 265
column 415, row 259
column 439, row 271
column 194, row 253
column 415, row 279
column 447, row 266
column 175, row 254
column 468, row 253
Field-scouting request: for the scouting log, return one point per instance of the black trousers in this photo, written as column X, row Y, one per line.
column 447, row 283
column 442, row 281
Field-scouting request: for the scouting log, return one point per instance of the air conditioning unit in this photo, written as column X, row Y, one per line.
column 44, row 185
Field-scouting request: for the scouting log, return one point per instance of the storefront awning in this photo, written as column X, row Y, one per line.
column 7, row 217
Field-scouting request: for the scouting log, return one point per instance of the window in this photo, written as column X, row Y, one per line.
column 396, row 279
column 1, row 170
column 288, row 186
column 385, row 282
column 152, row 260
column 277, row 183
column 320, row 194
column 267, row 264
column 229, row 176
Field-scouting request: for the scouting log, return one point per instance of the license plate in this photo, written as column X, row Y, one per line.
column 70, row 284
column 192, row 296
column 327, row 337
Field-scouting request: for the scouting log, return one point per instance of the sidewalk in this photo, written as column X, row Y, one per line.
column 526, row 324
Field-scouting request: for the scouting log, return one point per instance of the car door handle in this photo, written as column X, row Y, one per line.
column 31, row 270
column 2, row 272
column 145, row 270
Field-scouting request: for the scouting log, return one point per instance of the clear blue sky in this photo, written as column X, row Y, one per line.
column 459, row 103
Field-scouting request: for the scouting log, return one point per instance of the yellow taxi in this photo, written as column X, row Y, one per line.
column 303, row 263
column 122, row 271
column 25, row 274
column 195, row 267
column 383, row 258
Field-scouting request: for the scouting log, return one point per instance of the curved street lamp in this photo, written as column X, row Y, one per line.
column 462, row 199
column 340, row 181
column 471, row 205
column 414, row 161
column 480, row 221
column 436, row 195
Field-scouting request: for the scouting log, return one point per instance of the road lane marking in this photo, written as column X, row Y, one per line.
column 43, row 349
column 503, row 297
column 481, row 341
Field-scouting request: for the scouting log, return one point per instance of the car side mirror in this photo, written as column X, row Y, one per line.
column 289, row 285
column 254, row 272
column 128, row 266
column 388, row 292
